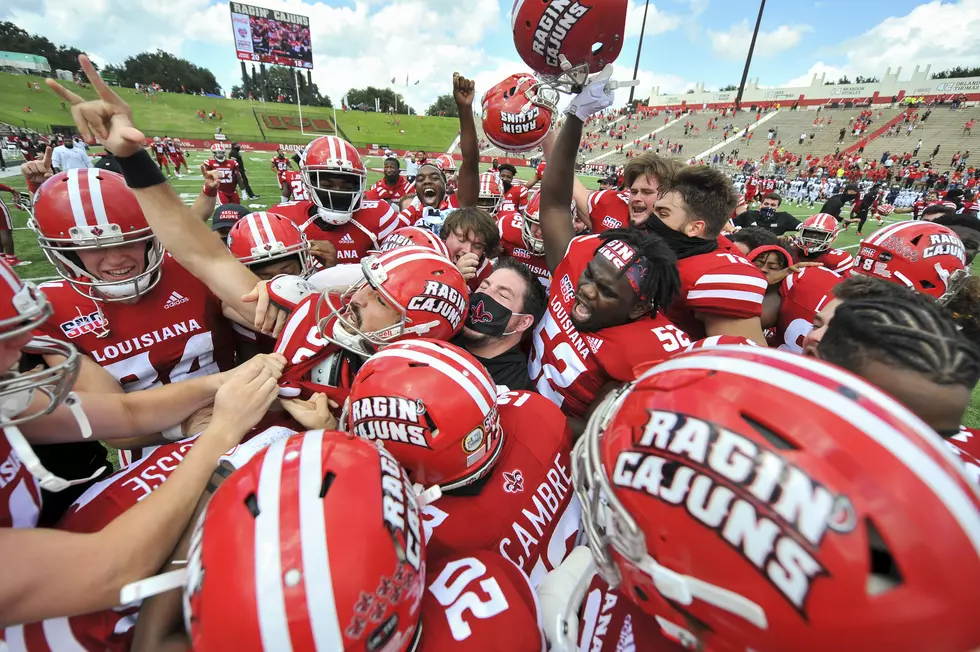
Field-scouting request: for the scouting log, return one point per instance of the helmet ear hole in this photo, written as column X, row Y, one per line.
column 883, row 572
column 597, row 48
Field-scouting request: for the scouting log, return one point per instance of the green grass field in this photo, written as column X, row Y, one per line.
column 176, row 115
column 263, row 182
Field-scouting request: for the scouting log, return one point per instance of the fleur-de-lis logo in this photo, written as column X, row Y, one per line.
column 513, row 482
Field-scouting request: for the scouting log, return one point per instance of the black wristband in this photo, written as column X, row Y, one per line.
column 140, row 171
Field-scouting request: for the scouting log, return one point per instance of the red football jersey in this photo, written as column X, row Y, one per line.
column 174, row 332
column 609, row 209
column 720, row 283
column 372, row 222
column 514, row 199
column 159, row 149
column 526, row 507
column 20, row 493
column 312, row 363
column 226, row 170
column 381, row 190
column 171, row 147
column 835, row 260
column 280, row 165
column 803, row 294
column 608, row 622
column 297, row 188
column 540, row 169
column 570, row 367
column 479, row 602
column 966, row 446
column 512, row 243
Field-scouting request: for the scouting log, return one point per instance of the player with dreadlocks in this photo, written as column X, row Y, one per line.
column 605, row 316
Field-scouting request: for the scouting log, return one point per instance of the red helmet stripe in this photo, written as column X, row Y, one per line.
column 269, row 595
column 475, row 372
column 867, row 422
column 270, row 236
column 466, row 383
column 317, row 576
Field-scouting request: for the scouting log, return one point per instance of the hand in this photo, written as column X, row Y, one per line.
column 211, row 177
column 107, row 120
column 776, row 278
column 463, row 91
column 199, row 421
column 597, row 93
column 269, row 319
column 468, row 264
column 245, row 397
column 324, row 251
column 314, row 414
column 37, row 172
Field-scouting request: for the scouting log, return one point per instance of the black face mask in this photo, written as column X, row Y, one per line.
column 767, row 212
column 69, row 144
column 682, row 245
column 488, row 316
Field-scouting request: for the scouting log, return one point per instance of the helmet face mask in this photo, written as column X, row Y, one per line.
column 517, row 113
column 530, row 217
column 335, row 177
column 816, row 234
column 219, row 152
column 261, row 238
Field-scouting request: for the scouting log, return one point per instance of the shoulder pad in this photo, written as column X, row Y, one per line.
column 287, row 291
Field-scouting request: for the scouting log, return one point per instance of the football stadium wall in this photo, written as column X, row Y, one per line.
column 820, row 94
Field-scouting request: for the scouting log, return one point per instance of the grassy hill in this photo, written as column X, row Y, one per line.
column 176, row 115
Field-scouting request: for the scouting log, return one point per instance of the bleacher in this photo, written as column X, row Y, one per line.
column 943, row 127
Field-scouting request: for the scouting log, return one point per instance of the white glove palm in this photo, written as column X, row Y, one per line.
column 596, row 94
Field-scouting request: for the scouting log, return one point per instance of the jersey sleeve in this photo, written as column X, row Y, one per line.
column 844, row 263
column 389, row 220
column 640, row 343
column 731, row 288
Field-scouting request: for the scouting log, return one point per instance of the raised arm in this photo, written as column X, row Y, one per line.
column 557, row 229
column 579, row 192
column 186, row 237
column 203, row 207
column 468, row 177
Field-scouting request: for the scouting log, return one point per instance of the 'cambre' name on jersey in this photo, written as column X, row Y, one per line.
column 569, row 367
column 526, row 509
column 174, row 332
column 372, row 222
column 510, row 225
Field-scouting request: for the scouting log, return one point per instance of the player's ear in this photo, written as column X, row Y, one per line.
column 639, row 309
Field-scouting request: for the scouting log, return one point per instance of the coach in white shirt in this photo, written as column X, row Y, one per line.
column 411, row 167
column 69, row 157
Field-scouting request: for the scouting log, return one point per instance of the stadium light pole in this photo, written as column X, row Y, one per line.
column 639, row 46
column 748, row 59
column 299, row 106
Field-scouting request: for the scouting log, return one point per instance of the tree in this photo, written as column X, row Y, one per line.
column 15, row 39
column 444, row 105
column 954, row 73
column 280, row 80
column 866, row 80
column 843, row 80
column 170, row 72
column 730, row 87
column 388, row 97
column 690, row 91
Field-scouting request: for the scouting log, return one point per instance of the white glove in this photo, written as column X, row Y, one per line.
column 596, row 95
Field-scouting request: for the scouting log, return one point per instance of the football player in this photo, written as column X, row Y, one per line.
column 770, row 574
column 392, row 186
column 812, row 244
column 721, row 293
column 520, row 238
column 175, row 155
column 230, row 176
column 139, row 318
column 499, row 463
column 515, row 195
column 160, row 152
column 42, row 576
column 280, row 165
column 7, row 223
column 795, row 294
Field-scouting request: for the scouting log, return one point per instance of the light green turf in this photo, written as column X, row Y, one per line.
column 176, row 115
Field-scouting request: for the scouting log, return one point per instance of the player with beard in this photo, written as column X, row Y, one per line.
column 392, row 186
column 795, row 293
column 509, row 303
column 520, row 238
column 484, row 459
column 515, row 194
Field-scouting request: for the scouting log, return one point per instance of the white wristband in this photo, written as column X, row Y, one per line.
column 173, row 433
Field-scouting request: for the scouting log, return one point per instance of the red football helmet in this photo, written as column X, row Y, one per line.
column 446, row 163
column 531, row 218
column 588, row 34
column 23, row 308
column 91, row 208
column 491, row 192
column 409, row 236
column 816, row 233
column 518, row 113
column 335, row 176
column 749, row 524
column 434, row 406
column 260, row 238
column 270, row 565
column 219, row 152
column 924, row 256
column 720, row 340
column 425, row 287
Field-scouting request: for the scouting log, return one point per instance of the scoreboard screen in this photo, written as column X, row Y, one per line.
column 268, row 36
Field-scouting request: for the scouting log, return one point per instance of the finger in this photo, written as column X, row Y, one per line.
column 251, row 297
column 47, row 157
column 80, row 122
column 204, row 170
column 63, row 92
column 96, row 115
column 271, row 316
column 280, row 323
column 100, row 86
column 260, row 311
column 132, row 135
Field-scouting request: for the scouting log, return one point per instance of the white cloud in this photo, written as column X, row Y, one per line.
column 658, row 21
column 733, row 43
column 832, row 73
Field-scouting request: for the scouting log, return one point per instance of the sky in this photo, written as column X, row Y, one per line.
column 368, row 42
